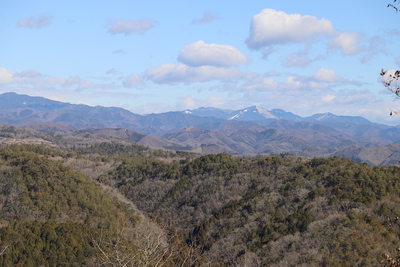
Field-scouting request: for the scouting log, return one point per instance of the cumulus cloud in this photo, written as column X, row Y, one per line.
column 328, row 98
column 354, row 97
column 71, row 81
column 272, row 27
column 170, row 73
column 84, row 85
column 347, row 42
column 297, row 60
column 296, row 82
column 326, row 76
column 120, row 26
column 189, row 102
column 300, row 59
column 201, row 54
column 206, row 18
column 27, row 74
column 32, row 77
column 261, row 84
column 132, row 81
column 272, row 73
column 33, row 22
column 32, row 80
column 6, row 76
column 373, row 46
column 321, row 79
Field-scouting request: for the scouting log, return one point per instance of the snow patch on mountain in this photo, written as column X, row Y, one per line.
column 252, row 113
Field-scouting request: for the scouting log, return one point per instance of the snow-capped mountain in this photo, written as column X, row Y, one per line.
column 264, row 116
column 253, row 113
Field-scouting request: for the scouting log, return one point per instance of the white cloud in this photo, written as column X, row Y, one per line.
column 297, row 60
column 170, row 73
column 32, row 22
column 354, row 97
column 321, row 79
column 290, row 84
column 206, row 18
column 188, row 102
column 6, row 76
column 72, row 81
column 201, row 54
column 272, row 73
column 261, row 84
column 328, row 98
column 24, row 77
column 296, row 82
column 132, row 81
column 31, row 80
column 301, row 59
column 84, row 85
column 130, row 26
column 347, row 42
column 272, row 27
column 27, row 74
column 326, row 76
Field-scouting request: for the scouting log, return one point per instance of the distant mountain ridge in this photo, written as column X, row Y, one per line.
column 14, row 101
column 207, row 130
column 23, row 103
column 325, row 117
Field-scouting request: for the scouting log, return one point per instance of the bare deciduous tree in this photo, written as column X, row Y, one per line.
column 391, row 80
column 144, row 245
column 141, row 245
column 393, row 6
column 391, row 77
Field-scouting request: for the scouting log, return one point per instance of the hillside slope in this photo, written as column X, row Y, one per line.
column 52, row 215
column 220, row 210
column 272, row 211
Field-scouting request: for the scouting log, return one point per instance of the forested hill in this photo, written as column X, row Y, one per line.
column 52, row 215
column 273, row 211
column 213, row 210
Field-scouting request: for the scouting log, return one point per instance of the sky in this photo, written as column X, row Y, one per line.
column 155, row 56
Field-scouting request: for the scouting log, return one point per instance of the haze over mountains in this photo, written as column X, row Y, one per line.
column 212, row 130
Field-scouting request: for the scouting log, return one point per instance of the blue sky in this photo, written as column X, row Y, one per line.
column 154, row 56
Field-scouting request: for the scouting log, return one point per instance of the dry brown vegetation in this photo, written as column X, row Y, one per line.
column 134, row 206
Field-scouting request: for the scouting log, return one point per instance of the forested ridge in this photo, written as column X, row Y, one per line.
column 113, row 204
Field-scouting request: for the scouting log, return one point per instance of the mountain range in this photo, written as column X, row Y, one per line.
column 211, row 130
